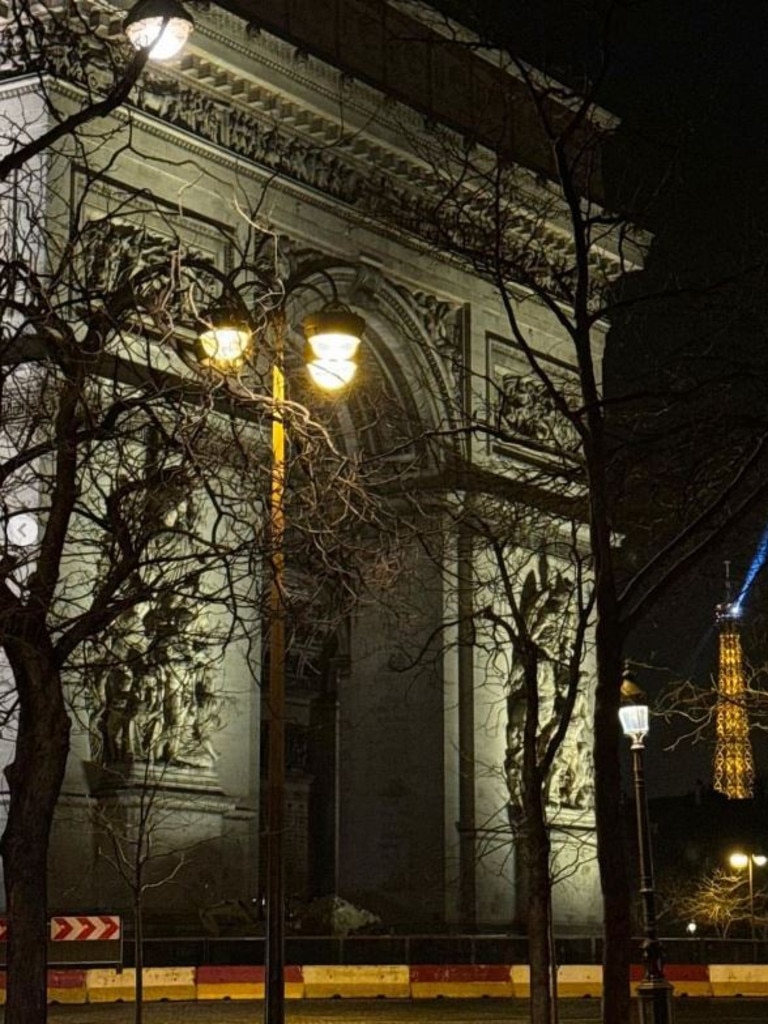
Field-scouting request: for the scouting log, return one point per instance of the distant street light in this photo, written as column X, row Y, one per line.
column 162, row 24
column 691, row 928
column 740, row 860
column 332, row 339
column 654, row 993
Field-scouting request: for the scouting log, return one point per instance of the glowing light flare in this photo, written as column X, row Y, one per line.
column 634, row 721
column 331, row 374
column 757, row 563
column 333, row 338
column 224, row 346
column 163, row 25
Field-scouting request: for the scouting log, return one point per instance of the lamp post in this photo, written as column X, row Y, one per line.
column 333, row 336
column 654, row 993
column 740, row 860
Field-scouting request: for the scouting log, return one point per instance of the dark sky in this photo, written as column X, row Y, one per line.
column 691, row 82
column 689, row 79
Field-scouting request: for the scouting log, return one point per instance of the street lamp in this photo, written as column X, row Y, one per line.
column 333, row 336
column 740, row 860
column 654, row 993
column 162, row 24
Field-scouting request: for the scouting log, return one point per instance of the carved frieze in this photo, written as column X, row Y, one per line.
column 523, row 417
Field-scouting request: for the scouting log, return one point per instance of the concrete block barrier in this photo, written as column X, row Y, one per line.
column 738, row 979
column 66, row 986
column 462, row 981
column 107, row 985
column 689, row 979
column 521, row 980
column 427, row 981
column 244, row 982
column 160, row 984
column 357, row 982
column 230, row 983
column 576, row 981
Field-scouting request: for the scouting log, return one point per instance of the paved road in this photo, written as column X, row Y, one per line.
column 427, row 1011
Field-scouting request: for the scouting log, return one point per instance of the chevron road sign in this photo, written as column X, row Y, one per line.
column 82, row 939
column 103, row 928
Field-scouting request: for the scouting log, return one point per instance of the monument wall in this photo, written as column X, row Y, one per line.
column 243, row 137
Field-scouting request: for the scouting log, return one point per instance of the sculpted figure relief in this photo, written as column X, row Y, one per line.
column 526, row 412
column 545, row 605
column 152, row 696
column 150, row 693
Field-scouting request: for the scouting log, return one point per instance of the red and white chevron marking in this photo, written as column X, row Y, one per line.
column 81, row 929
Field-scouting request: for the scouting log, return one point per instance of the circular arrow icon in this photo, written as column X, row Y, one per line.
column 21, row 530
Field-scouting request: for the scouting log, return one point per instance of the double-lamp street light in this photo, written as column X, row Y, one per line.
column 225, row 344
column 654, row 992
column 741, row 860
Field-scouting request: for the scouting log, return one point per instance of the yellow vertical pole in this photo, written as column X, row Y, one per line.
column 274, row 1002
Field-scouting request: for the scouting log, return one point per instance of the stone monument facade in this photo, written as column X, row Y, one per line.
column 403, row 769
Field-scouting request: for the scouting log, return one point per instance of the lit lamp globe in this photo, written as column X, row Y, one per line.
column 633, row 712
column 163, row 25
column 225, row 342
column 740, row 860
column 333, row 338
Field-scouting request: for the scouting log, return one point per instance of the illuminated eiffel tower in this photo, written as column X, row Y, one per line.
column 734, row 767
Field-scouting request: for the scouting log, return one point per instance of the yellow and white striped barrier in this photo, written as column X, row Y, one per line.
column 576, row 982
column 738, row 979
column 357, row 982
column 103, row 985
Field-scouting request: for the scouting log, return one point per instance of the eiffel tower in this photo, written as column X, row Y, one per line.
column 734, row 769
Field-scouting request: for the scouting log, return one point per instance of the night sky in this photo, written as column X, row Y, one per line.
column 689, row 79
column 691, row 84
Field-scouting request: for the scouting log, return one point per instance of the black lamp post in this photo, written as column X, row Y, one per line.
column 654, row 993
column 333, row 336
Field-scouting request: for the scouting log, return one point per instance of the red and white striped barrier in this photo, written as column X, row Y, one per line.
column 433, row 981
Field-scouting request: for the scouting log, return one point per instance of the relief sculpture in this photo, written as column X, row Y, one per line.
column 151, row 694
column 526, row 412
column 152, row 697
column 545, row 604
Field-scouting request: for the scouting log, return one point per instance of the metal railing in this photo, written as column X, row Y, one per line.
column 427, row 949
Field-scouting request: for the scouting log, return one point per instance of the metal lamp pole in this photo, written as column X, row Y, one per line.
column 333, row 336
column 274, row 1001
column 654, row 992
column 749, row 861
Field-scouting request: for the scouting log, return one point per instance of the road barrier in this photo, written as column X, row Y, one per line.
column 425, row 981
column 83, row 940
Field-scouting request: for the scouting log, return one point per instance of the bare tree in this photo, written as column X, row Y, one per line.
column 143, row 836
column 63, row 41
column 133, row 480
column 717, row 900
column 554, row 253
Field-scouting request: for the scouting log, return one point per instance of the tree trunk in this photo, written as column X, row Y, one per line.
column 34, row 781
column 610, row 837
column 609, row 640
column 543, row 979
column 138, row 959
